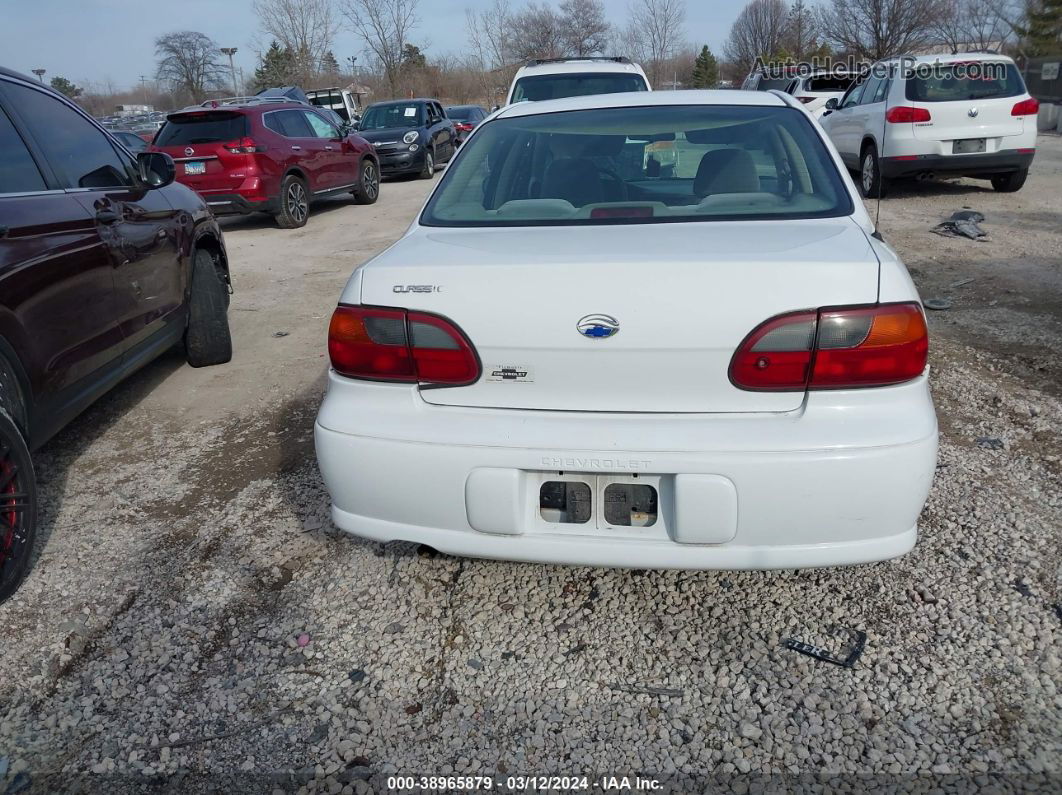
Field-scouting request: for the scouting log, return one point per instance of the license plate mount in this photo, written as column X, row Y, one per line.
column 198, row 167
column 968, row 146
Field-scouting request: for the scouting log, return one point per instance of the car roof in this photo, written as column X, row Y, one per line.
column 954, row 57
column 265, row 107
column 416, row 101
column 640, row 99
column 570, row 65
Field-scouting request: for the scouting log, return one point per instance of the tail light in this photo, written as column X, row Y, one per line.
column 397, row 345
column 902, row 114
column 1027, row 107
column 840, row 348
column 805, row 100
column 460, row 126
column 244, row 146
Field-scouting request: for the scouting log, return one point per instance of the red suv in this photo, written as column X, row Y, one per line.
column 267, row 157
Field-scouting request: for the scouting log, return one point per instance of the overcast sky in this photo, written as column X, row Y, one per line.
column 97, row 40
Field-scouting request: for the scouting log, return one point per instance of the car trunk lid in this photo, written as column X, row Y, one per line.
column 964, row 107
column 683, row 295
column 196, row 140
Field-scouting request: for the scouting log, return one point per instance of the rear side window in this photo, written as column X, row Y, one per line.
column 202, row 128
column 542, row 87
column 826, row 85
column 18, row 171
column 641, row 165
column 289, row 123
column 81, row 154
column 966, row 81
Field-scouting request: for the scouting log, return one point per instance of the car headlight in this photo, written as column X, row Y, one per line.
column 411, row 136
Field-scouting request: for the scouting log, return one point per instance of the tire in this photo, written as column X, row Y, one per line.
column 18, row 506
column 368, row 190
column 428, row 172
column 871, row 185
column 1009, row 183
column 207, row 340
column 294, row 203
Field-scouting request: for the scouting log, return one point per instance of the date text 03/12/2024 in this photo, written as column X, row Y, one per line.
column 522, row 783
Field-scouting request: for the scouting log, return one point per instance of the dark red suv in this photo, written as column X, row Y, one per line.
column 269, row 157
column 104, row 265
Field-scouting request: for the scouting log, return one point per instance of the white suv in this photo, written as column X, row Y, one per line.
column 815, row 90
column 557, row 78
column 586, row 352
column 966, row 115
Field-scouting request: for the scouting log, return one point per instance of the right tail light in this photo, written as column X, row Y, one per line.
column 1027, row 107
column 840, row 348
column 383, row 344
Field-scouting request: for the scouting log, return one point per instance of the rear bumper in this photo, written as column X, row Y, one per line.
column 1002, row 162
column 818, row 487
column 236, row 204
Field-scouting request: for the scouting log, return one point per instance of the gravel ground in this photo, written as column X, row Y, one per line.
column 195, row 623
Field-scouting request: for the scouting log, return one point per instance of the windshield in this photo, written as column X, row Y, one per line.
column 202, row 128
column 956, row 82
column 383, row 117
column 640, row 165
column 575, row 84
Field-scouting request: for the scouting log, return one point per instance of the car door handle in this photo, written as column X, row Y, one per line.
column 296, row 148
column 329, row 148
column 107, row 216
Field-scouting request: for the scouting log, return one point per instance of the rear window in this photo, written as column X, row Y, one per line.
column 773, row 83
column 954, row 82
column 825, row 85
column 202, row 128
column 542, row 87
column 458, row 114
column 640, row 165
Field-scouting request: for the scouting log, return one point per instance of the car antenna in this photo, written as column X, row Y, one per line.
column 881, row 155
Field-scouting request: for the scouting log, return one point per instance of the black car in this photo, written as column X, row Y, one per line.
column 411, row 136
column 105, row 264
column 133, row 142
column 465, row 118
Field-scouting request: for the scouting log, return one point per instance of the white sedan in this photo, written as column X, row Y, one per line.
column 650, row 329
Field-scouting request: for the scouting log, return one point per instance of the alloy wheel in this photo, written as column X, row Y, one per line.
column 14, row 511
column 370, row 181
column 868, row 172
column 297, row 205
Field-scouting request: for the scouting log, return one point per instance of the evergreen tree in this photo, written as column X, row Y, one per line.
column 1042, row 29
column 276, row 68
column 705, row 69
column 64, row 86
column 329, row 64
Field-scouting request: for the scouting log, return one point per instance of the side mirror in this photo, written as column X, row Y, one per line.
column 156, row 169
column 496, row 107
column 832, row 103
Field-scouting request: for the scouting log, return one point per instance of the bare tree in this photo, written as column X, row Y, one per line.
column 757, row 32
column 974, row 25
column 384, row 26
column 306, row 28
column 538, row 32
column 489, row 35
column 587, row 29
column 655, row 28
column 800, row 35
column 880, row 28
column 189, row 63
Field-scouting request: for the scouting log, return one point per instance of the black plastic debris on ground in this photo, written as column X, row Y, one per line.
column 989, row 443
column 937, row 303
column 963, row 223
column 857, row 642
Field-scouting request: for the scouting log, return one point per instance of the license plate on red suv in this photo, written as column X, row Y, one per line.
column 968, row 146
column 200, row 167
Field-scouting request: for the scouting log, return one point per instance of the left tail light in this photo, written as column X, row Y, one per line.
column 244, row 146
column 842, row 348
column 383, row 344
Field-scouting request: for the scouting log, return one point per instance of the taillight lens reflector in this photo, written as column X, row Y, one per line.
column 901, row 114
column 244, row 146
column 833, row 349
column 1027, row 107
column 385, row 344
